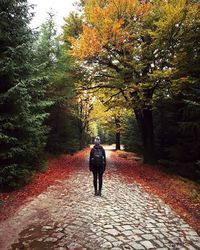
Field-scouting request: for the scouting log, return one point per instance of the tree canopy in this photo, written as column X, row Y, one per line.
column 134, row 47
column 127, row 70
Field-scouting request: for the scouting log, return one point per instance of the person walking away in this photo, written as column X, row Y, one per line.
column 97, row 164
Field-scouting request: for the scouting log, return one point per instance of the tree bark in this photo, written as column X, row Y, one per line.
column 80, row 139
column 145, row 123
column 117, row 134
column 118, row 147
column 80, row 136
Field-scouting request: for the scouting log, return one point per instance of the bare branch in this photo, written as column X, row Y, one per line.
column 111, row 97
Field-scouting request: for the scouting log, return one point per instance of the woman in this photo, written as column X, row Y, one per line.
column 97, row 164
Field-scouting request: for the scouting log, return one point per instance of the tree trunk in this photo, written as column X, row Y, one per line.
column 81, row 140
column 117, row 135
column 118, row 141
column 145, row 122
column 80, row 131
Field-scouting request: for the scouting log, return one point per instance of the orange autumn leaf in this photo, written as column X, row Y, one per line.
column 89, row 43
column 107, row 23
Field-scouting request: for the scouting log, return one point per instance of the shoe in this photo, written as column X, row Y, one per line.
column 96, row 193
column 99, row 193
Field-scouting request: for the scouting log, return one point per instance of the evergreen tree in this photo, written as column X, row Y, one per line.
column 22, row 104
column 47, row 47
column 57, row 69
column 63, row 121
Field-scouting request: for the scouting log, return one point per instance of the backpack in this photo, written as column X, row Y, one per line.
column 98, row 157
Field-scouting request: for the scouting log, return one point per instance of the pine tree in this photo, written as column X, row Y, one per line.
column 22, row 105
column 47, row 47
column 57, row 69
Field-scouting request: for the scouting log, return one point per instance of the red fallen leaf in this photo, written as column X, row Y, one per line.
column 173, row 191
column 152, row 178
column 58, row 169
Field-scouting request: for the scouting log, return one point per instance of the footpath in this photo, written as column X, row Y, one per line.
column 68, row 216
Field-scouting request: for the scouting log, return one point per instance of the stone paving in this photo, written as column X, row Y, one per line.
column 69, row 216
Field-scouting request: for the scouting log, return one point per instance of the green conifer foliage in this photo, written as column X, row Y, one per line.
column 22, row 104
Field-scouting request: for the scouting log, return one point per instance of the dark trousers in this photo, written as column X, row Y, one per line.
column 97, row 175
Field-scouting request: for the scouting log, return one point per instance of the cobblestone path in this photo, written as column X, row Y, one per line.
column 69, row 216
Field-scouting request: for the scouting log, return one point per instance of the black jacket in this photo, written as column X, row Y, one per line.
column 92, row 166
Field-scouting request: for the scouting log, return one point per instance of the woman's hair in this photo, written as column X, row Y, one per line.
column 97, row 140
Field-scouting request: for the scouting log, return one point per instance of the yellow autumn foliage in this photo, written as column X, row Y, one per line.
column 107, row 23
column 89, row 43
